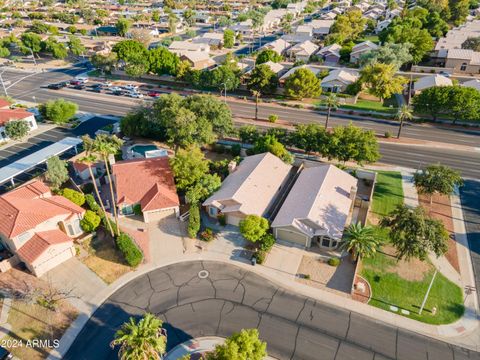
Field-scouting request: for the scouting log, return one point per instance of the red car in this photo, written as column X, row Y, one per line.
column 154, row 94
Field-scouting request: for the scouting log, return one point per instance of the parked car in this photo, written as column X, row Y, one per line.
column 75, row 82
column 154, row 94
column 79, row 87
column 116, row 88
column 83, row 79
column 131, row 87
column 5, row 354
column 107, row 84
column 444, row 73
column 134, row 94
column 117, row 92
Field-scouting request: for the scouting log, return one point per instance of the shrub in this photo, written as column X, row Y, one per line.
column 88, row 189
column 260, row 256
column 219, row 148
column 388, row 134
column 253, row 227
column 222, row 220
column 273, row 118
column 90, row 221
column 133, row 256
column 235, row 150
column 266, row 242
column 137, row 210
column 207, row 235
column 334, row 261
column 194, row 221
column 307, row 276
column 74, row 196
column 92, row 204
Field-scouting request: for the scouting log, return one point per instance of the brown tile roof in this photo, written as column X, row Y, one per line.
column 28, row 206
column 145, row 181
column 40, row 242
column 4, row 104
column 13, row 114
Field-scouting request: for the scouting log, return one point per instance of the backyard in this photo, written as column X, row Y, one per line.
column 399, row 284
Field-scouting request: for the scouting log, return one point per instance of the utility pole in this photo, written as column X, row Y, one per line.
column 428, row 292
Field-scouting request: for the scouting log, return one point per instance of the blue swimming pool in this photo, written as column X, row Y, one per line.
column 141, row 149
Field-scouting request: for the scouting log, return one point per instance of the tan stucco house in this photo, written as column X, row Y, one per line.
column 250, row 189
column 39, row 227
column 147, row 183
column 317, row 208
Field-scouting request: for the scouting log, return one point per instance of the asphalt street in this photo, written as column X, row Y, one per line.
column 229, row 299
column 467, row 162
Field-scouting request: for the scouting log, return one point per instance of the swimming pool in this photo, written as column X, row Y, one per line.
column 141, row 149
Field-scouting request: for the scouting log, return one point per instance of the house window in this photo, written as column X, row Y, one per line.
column 127, row 210
column 22, row 238
column 213, row 211
column 326, row 242
column 30, row 124
column 463, row 67
column 76, row 226
column 70, row 229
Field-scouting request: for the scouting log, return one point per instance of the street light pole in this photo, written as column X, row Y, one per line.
column 225, row 98
column 428, row 292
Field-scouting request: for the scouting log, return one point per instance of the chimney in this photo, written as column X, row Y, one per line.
column 232, row 165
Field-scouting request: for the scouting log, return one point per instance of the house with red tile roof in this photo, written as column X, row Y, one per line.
column 38, row 227
column 146, row 184
column 7, row 115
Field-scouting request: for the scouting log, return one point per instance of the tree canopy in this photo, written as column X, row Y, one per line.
column 437, row 178
column 59, row 111
column 57, row 172
column 228, row 38
column 253, row 227
column 16, row 129
column 240, row 346
column 188, row 166
column 302, row 84
column 347, row 27
column 381, row 81
column 389, row 53
column 268, row 55
column 263, row 80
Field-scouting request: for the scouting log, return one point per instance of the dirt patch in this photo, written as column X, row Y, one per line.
column 412, row 270
column 31, row 321
column 440, row 209
column 103, row 258
column 323, row 276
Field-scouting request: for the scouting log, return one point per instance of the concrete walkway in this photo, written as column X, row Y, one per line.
column 5, row 327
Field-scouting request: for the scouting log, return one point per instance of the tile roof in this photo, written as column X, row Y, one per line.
column 4, row 104
column 13, row 114
column 252, row 185
column 28, row 206
column 319, row 202
column 146, row 181
column 40, row 242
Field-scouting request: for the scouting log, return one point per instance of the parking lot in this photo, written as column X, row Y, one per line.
column 37, row 142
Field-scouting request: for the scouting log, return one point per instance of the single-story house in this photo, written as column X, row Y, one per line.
column 147, row 184
column 463, row 60
column 302, row 51
column 431, row 81
column 184, row 46
column 338, row 80
column 211, row 38
column 7, row 115
column 330, row 54
column 275, row 67
column 314, row 69
column 38, row 227
column 317, row 208
column 250, row 189
column 321, row 28
column 197, row 60
column 304, row 30
column 360, row 49
column 279, row 46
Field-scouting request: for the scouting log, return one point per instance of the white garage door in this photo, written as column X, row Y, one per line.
column 157, row 215
column 291, row 236
column 49, row 264
column 233, row 220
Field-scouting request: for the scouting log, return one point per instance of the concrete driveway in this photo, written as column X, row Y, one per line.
column 75, row 276
column 166, row 237
column 285, row 258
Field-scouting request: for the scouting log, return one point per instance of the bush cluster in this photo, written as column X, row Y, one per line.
column 133, row 256
column 74, row 196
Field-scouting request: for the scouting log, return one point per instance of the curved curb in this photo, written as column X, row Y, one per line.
column 436, row 332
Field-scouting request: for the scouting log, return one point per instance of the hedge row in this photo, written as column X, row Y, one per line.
column 133, row 256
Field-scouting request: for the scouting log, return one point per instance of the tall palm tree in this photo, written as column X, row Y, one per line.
column 88, row 160
column 360, row 241
column 332, row 103
column 141, row 340
column 404, row 113
column 257, row 94
column 105, row 146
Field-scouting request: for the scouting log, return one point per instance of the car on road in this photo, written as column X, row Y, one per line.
column 154, row 93
column 134, row 94
column 83, row 79
column 444, row 73
column 55, row 86
column 75, row 82
column 117, row 92
column 116, row 88
column 79, row 87
column 107, row 84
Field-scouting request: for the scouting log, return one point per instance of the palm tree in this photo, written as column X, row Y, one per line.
column 360, row 241
column 105, row 146
column 141, row 340
column 257, row 94
column 88, row 160
column 331, row 102
column 404, row 113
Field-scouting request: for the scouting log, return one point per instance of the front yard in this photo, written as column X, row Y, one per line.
column 388, row 192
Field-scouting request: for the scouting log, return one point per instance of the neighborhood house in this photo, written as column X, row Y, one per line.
column 7, row 115
column 38, row 227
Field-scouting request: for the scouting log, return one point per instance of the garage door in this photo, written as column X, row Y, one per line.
column 291, row 236
column 158, row 215
column 49, row 264
column 233, row 220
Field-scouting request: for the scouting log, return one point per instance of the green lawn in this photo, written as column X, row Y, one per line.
column 372, row 38
column 388, row 288
column 369, row 105
column 388, row 192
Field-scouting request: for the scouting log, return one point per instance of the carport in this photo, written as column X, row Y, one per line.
column 8, row 173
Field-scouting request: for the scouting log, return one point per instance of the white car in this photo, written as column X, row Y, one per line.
column 107, row 84
column 83, row 79
column 116, row 88
column 134, row 94
column 131, row 87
